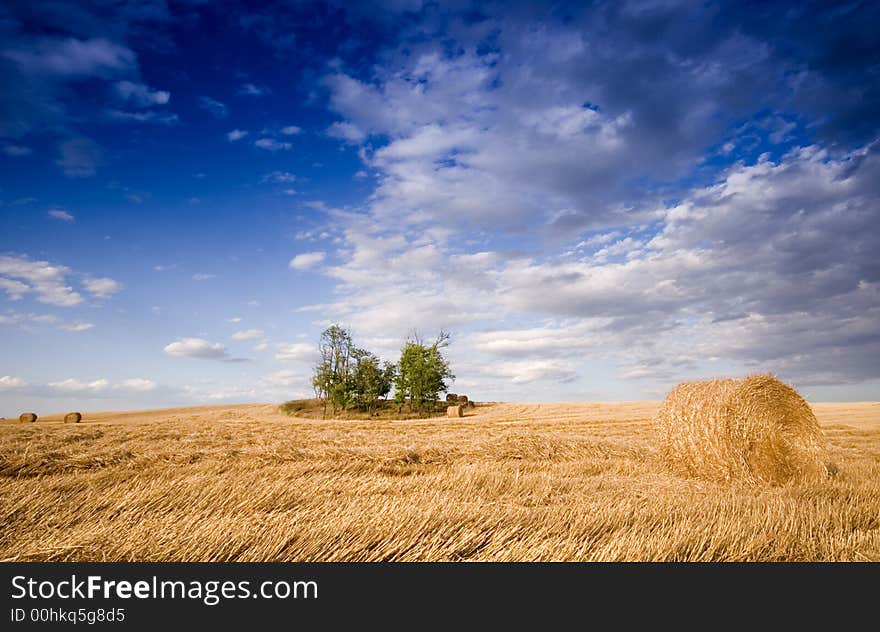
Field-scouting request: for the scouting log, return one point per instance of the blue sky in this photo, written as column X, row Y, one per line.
column 598, row 200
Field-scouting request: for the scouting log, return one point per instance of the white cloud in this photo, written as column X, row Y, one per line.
column 162, row 118
column 526, row 371
column 41, row 277
column 73, row 57
column 77, row 327
column 307, row 260
column 236, row 134
column 11, row 383
column 60, row 213
column 346, row 131
column 73, row 385
column 270, row 144
column 140, row 95
column 248, row 334
column 102, row 287
column 14, row 289
column 296, row 352
column 198, row 348
column 291, row 130
column 201, row 276
column 138, row 384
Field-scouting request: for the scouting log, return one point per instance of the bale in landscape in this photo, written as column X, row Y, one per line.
column 27, row 417
column 72, row 418
column 454, row 411
column 756, row 429
column 451, row 397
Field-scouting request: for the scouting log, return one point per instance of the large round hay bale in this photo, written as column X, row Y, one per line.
column 72, row 418
column 27, row 418
column 454, row 411
column 756, row 429
column 451, row 397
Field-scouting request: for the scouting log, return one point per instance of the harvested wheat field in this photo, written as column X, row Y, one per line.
column 574, row 481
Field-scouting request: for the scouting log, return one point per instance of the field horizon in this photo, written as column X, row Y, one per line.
column 508, row 482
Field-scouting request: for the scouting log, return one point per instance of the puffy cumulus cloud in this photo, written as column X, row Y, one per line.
column 103, row 287
column 73, row 385
column 141, row 95
column 101, row 387
column 197, row 348
column 11, row 383
column 21, row 275
column 770, row 267
column 236, row 134
column 306, row 260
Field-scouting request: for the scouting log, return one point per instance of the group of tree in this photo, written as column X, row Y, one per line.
column 349, row 376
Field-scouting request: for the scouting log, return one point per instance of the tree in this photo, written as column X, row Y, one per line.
column 371, row 381
column 332, row 379
column 422, row 373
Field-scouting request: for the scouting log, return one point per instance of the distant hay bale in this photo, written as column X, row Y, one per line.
column 26, row 418
column 454, row 411
column 470, row 404
column 72, row 418
column 756, row 429
column 451, row 397
column 463, row 399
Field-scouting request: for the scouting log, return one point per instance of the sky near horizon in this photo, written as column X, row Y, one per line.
column 597, row 200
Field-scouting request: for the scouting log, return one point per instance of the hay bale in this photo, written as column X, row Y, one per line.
column 470, row 404
column 72, row 418
column 26, row 418
column 454, row 411
column 756, row 429
column 463, row 399
column 451, row 397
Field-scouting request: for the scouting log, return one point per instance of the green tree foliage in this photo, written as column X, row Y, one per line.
column 371, row 380
column 332, row 377
column 347, row 375
column 422, row 373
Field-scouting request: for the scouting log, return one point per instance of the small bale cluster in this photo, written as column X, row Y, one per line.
column 72, row 418
column 756, row 429
column 27, row 418
column 454, row 411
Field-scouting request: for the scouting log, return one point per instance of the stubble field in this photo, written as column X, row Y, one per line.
column 524, row 482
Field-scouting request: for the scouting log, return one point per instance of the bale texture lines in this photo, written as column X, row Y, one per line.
column 756, row 430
